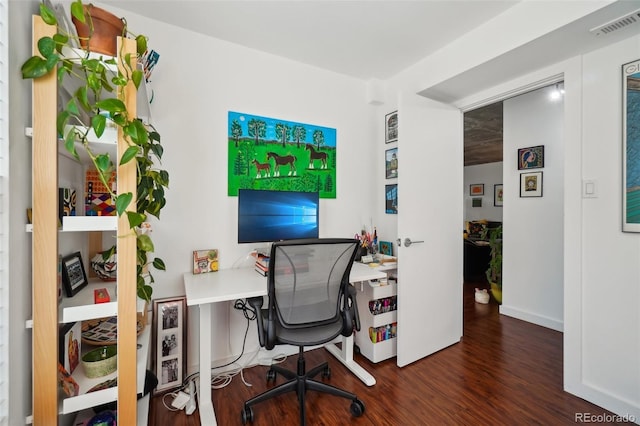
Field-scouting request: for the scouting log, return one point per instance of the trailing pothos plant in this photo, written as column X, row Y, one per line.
column 99, row 99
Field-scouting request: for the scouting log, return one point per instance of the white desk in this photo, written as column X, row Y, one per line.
column 231, row 284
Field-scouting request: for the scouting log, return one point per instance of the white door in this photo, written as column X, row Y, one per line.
column 430, row 278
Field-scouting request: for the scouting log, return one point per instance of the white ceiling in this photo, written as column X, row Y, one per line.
column 377, row 39
column 363, row 39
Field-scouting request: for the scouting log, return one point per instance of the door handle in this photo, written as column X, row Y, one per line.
column 408, row 242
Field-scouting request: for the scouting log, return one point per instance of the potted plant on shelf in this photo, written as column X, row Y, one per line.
column 494, row 272
column 96, row 103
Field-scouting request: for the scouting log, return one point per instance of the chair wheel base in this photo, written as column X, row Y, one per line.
column 246, row 415
column 357, row 408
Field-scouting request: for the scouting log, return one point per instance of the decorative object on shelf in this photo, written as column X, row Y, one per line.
column 630, row 147
column 99, row 33
column 271, row 153
column 494, row 272
column 66, row 202
column 101, row 295
column 531, row 158
column 391, row 127
column 391, row 198
column 104, row 331
column 111, row 383
column 104, row 418
column 531, row 184
column 99, row 96
column 98, row 199
column 476, row 202
column 391, row 163
column 498, row 195
column 476, row 189
column 69, row 386
column 386, row 248
column 70, row 346
column 205, row 261
column 169, row 342
column 74, row 277
column 105, row 269
column 100, row 362
column 59, row 280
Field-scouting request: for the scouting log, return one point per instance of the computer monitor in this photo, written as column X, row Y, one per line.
column 267, row 215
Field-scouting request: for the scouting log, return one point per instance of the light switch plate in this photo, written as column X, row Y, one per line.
column 589, row 188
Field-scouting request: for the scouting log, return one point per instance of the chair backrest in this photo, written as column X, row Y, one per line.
column 308, row 278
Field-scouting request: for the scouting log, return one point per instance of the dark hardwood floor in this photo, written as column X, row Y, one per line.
column 503, row 372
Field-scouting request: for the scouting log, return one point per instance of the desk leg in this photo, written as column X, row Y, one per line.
column 205, row 404
column 345, row 356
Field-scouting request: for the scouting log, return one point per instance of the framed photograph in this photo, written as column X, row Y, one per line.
column 476, row 202
column 476, row 189
column 74, row 278
column 531, row 158
column 630, row 147
column 205, row 261
column 391, row 163
column 391, row 127
column 531, row 184
column 169, row 342
column 391, row 199
column 70, row 345
column 497, row 195
column 386, row 247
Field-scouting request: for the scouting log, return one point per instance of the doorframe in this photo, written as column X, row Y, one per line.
column 569, row 71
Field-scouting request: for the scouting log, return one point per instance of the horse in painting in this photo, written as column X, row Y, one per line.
column 282, row 160
column 316, row 155
column 266, row 167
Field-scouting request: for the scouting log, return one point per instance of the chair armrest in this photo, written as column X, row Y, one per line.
column 354, row 306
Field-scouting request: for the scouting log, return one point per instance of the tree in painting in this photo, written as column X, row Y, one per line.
column 236, row 131
column 318, row 138
column 257, row 129
column 298, row 133
column 282, row 133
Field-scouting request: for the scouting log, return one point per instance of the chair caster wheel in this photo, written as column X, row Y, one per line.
column 247, row 415
column 357, row 408
column 271, row 375
column 326, row 373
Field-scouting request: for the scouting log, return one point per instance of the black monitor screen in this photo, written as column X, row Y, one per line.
column 265, row 216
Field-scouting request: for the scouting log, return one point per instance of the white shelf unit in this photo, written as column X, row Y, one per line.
column 133, row 350
column 371, row 291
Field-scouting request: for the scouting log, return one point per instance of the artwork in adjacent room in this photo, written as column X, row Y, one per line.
column 476, row 202
column 476, row 189
column 391, row 163
column 391, row 127
column 391, row 199
column 282, row 155
column 631, row 147
column 531, row 184
column 498, row 195
column 531, row 158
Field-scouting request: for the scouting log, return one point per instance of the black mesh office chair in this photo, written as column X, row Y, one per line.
column 310, row 302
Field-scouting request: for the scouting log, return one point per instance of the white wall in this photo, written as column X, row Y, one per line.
column 533, row 232
column 605, row 347
column 489, row 174
column 205, row 78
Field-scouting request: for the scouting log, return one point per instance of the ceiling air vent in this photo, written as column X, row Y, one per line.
column 617, row 24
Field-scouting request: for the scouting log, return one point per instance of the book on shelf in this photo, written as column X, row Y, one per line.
column 262, row 259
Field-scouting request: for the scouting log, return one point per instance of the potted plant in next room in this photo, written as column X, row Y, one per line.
column 494, row 272
column 97, row 102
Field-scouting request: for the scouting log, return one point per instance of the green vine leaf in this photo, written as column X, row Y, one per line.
column 122, row 202
column 112, row 105
column 159, row 264
column 99, row 123
column 103, row 163
column 135, row 219
column 34, row 67
column 77, row 11
column 144, row 243
column 128, row 155
column 46, row 46
column 47, row 15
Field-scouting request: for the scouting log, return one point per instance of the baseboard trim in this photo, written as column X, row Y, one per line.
column 532, row 318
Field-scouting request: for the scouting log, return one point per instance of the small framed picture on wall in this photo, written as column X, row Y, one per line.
column 391, row 163
column 497, row 195
column 476, row 189
column 391, row 127
column 531, row 158
column 531, row 184
column 391, row 199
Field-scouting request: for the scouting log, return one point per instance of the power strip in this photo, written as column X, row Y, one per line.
column 180, row 401
column 191, row 404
